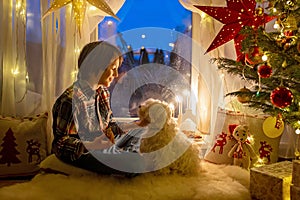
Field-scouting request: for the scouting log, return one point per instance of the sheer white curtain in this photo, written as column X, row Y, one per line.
column 12, row 56
column 209, row 84
column 59, row 30
column 53, row 67
column 206, row 80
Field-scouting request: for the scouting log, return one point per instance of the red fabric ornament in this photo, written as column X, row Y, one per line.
column 281, row 97
column 254, row 56
column 288, row 33
column 264, row 71
column 235, row 16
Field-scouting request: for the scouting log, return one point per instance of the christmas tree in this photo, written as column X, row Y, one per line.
column 271, row 61
column 9, row 152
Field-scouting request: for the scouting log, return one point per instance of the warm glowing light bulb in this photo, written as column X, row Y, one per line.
column 27, row 77
column 276, row 26
column 74, row 73
column 15, row 71
column 203, row 15
column 171, row 44
column 77, row 50
column 109, row 23
column 250, row 138
column 92, row 8
column 264, row 57
column 18, row 5
column 297, row 131
column 260, row 160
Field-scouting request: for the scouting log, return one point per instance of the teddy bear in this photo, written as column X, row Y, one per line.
column 167, row 150
column 242, row 152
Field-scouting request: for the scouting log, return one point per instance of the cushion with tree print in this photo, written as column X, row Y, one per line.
column 23, row 145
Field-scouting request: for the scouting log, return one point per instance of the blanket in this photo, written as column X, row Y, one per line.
column 220, row 182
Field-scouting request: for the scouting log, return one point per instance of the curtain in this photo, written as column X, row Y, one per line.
column 209, row 84
column 32, row 78
column 206, row 82
column 13, row 61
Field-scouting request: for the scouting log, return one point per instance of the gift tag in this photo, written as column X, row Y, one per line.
column 273, row 127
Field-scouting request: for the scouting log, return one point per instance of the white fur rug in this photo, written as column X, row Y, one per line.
column 217, row 182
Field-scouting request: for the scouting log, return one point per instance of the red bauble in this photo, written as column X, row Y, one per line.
column 288, row 33
column 281, row 97
column 254, row 55
column 264, row 71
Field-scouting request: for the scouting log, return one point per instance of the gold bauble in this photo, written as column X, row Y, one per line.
column 244, row 96
column 290, row 23
column 259, row 11
column 273, row 126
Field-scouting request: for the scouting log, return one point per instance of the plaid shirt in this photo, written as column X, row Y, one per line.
column 70, row 130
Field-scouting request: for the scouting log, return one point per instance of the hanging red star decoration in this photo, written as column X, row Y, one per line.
column 235, row 16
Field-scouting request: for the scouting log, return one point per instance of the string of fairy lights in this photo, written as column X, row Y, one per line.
column 19, row 18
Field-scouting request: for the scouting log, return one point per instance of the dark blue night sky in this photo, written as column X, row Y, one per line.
column 137, row 16
column 153, row 13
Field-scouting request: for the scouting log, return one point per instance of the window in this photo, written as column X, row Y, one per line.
column 157, row 56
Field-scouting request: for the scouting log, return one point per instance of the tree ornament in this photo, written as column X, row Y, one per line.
column 254, row 56
column 244, row 95
column 290, row 5
column 290, row 24
column 284, row 64
column 235, row 16
column 281, row 97
column 264, row 71
column 273, row 126
column 287, row 39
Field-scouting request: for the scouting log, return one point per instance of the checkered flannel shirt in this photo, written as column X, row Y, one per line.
column 67, row 143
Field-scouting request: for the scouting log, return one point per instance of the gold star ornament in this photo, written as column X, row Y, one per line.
column 79, row 9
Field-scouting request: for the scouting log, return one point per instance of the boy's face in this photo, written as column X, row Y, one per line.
column 110, row 73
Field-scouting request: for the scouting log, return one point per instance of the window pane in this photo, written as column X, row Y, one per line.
column 150, row 34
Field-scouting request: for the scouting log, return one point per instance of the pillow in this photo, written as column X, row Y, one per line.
column 266, row 148
column 23, row 145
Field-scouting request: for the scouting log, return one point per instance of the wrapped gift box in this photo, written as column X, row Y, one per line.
column 271, row 181
column 295, row 192
column 296, row 173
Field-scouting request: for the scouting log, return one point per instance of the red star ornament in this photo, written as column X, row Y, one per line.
column 235, row 16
